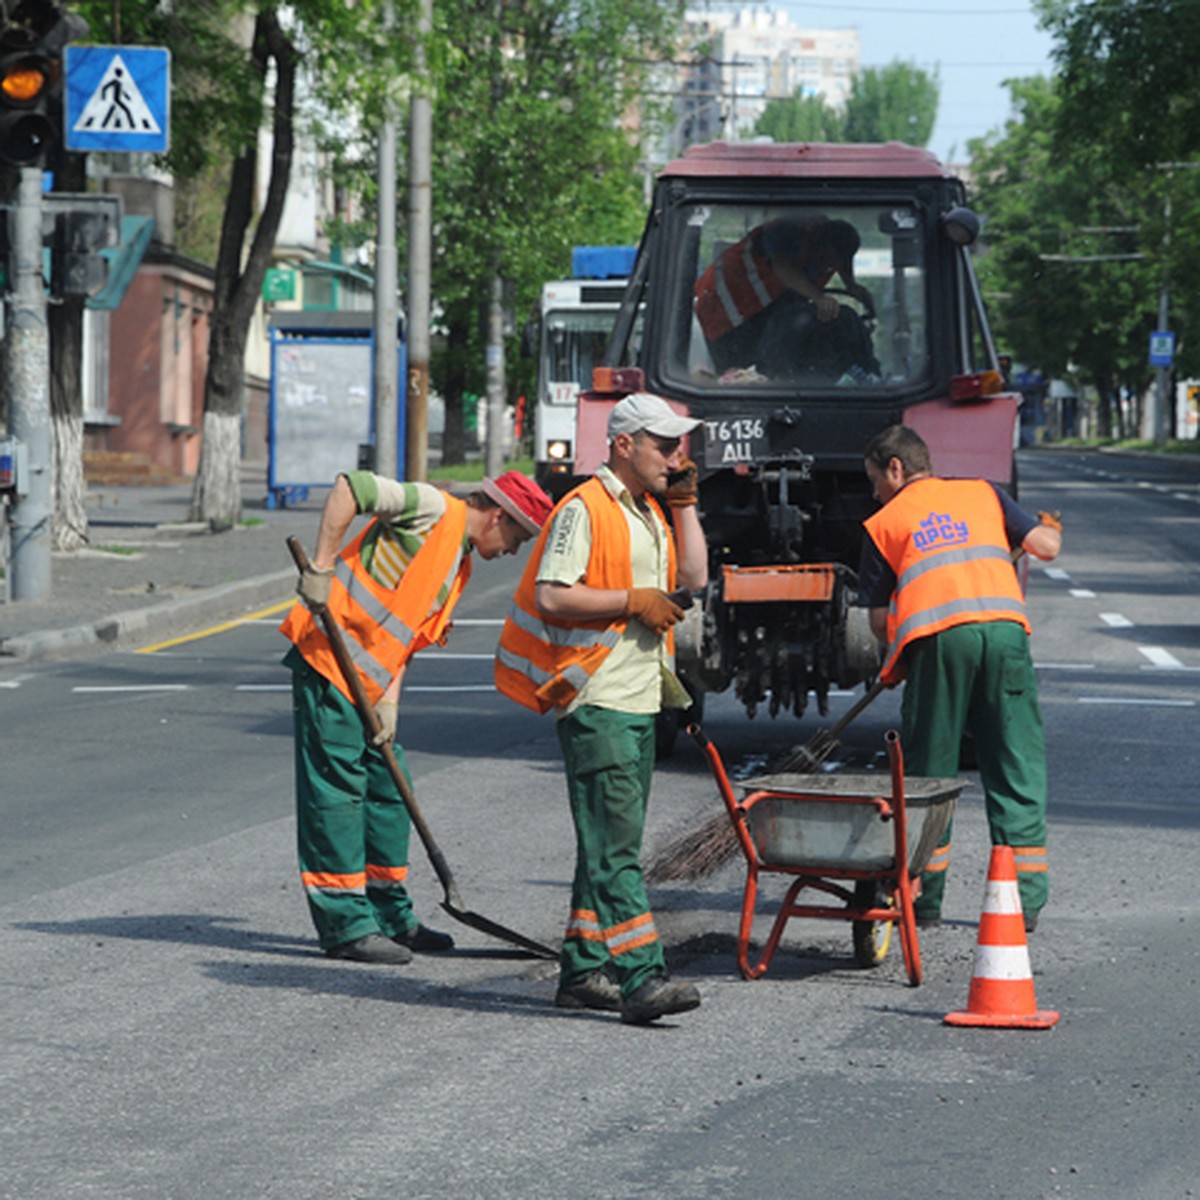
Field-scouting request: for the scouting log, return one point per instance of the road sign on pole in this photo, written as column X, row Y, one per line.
column 118, row 98
column 1162, row 348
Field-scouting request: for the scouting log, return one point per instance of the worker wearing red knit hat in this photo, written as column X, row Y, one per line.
column 392, row 590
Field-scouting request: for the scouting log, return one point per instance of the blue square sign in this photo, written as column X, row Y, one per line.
column 118, row 98
column 1162, row 348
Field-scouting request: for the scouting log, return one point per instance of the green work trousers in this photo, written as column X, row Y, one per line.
column 980, row 678
column 609, row 758
column 352, row 827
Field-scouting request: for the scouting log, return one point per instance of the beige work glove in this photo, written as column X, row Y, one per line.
column 387, row 714
column 654, row 608
column 315, row 585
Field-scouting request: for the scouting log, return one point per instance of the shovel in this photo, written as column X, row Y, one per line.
column 452, row 901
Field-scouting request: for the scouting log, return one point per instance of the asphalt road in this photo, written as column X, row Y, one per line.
column 168, row 1029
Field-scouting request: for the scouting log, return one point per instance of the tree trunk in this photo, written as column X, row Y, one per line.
column 217, row 496
column 70, row 528
column 65, row 328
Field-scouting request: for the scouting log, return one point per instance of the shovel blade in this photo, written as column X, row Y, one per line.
column 496, row 930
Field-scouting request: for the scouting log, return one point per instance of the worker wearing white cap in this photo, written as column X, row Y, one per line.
column 391, row 590
column 590, row 637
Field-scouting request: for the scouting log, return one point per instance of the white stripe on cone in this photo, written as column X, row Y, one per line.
column 1001, row 896
column 1002, row 962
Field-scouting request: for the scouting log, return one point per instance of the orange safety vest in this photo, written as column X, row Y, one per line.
column 736, row 286
column 384, row 627
column 542, row 662
column 945, row 540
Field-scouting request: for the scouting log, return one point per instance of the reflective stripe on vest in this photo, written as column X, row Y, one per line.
column 543, row 663
column 738, row 285
column 945, row 541
column 383, row 628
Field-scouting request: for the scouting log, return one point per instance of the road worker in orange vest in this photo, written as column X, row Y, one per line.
column 590, row 638
column 762, row 302
column 937, row 576
column 392, row 590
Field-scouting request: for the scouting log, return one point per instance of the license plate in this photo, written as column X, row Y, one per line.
column 729, row 441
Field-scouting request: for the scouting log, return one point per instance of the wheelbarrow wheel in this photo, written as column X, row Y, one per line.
column 871, row 938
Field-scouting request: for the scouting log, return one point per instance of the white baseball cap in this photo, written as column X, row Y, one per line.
column 644, row 410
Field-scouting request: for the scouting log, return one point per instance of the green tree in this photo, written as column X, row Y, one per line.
column 897, row 102
column 801, row 119
column 1126, row 76
column 532, row 155
column 239, row 69
column 1058, row 269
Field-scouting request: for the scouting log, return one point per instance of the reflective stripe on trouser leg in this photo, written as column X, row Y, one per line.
column 333, row 780
column 609, row 760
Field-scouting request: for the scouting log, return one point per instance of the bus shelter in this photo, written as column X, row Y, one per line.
column 321, row 411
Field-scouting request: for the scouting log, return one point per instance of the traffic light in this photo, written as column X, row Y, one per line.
column 76, row 269
column 32, row 38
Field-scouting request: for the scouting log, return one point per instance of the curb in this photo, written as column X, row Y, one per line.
column 155, row 622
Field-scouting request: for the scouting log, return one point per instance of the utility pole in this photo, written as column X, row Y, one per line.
column 386, row 357
column 28, row 367
column 420, row 233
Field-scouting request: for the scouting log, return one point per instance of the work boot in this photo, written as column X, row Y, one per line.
column 374, row 948
column 658, row 997
column 594, row 990
column 424, row 940
column 1031, row 920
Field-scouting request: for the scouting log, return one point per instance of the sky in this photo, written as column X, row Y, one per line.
column 974, row 44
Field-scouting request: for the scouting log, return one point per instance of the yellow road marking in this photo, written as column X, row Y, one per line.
column 222, row 628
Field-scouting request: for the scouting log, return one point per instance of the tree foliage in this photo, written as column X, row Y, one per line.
column 533, row 156
column 897, row 102
column 1085, row 223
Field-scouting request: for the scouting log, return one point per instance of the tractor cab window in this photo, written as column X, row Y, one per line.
column 799, row 297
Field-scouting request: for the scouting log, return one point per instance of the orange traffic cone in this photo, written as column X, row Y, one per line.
column 1001, row 993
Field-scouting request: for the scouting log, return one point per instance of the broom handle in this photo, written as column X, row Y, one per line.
column 857, row 707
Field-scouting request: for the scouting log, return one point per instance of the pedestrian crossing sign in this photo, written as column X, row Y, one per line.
column 118, row 98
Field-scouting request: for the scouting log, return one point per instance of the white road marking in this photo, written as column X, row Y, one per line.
column 1161, row 658
column 263, row 687
column 1083, row 594
column 1052, row 666
column 1134, row 700
column 1116, row 621
column 469, row 687
column 1055, row 573
column 137, row 687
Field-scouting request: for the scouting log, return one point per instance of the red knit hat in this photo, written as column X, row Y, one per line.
column 520, row 497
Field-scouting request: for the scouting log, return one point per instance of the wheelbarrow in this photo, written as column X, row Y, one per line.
column 860, row 839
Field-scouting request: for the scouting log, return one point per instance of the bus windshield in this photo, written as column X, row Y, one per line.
column 572, row 344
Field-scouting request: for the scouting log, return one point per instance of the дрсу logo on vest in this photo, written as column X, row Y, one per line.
column 938, row 531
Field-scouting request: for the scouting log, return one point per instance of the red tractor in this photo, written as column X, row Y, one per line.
column 798, row 299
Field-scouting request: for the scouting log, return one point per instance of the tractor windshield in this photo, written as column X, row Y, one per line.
column 798, row 297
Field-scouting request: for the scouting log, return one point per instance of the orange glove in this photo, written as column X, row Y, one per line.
column 1051, row 519
column 682, row 485
column 654, row 608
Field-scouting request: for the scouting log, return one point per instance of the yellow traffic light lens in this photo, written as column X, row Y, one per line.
column 22, row 83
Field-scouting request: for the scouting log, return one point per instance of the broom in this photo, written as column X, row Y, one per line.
column 709, row 847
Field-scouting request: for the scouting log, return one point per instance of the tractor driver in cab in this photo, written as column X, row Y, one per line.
column 762, row 303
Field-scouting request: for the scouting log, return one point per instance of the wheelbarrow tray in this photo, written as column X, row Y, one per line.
column 800, row 831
